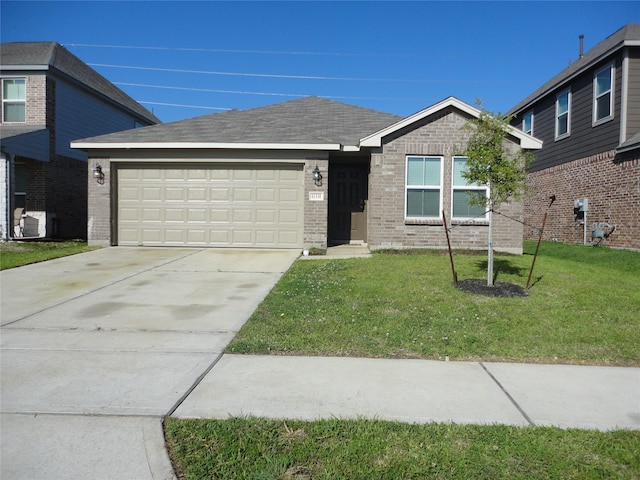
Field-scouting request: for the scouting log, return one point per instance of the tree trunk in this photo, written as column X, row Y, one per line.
column 490, row 256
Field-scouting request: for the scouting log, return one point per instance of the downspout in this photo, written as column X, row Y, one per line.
column 624, row 96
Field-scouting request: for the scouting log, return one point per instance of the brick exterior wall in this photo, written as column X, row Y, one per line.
column 610, row 183
column 316, row 211
column 442, row 136
column 99, row 206
column 36, row 99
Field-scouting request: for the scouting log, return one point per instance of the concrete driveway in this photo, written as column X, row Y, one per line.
column 98, row 347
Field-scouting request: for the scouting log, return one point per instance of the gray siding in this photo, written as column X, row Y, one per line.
column 585, row 138
column 80, row 115
column 633, row 98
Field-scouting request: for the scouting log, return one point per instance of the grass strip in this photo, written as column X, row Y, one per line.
column 582, row 309
column 253, row 448
column 17, row 254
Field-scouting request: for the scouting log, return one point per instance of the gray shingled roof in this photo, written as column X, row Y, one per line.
column 57, row 58
column 309, row 120
column 610, row 44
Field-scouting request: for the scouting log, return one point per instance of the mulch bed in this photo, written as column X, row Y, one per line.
column 500, row 289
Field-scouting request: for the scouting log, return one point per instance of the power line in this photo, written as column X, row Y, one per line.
column 180, row 105
column 246, row 92
column 270, row 75
column 253, row 52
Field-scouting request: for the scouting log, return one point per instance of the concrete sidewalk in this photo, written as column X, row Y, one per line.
column 420, row 391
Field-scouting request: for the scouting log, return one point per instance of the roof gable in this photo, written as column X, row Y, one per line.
column 375, row 139
column 53, row 56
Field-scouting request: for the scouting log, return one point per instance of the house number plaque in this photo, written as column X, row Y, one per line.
column 316, row 196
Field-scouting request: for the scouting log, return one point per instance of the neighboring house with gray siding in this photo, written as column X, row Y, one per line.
column 588, row 117
column 49, row 98
column 305, row 173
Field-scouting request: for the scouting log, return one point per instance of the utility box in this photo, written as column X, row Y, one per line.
column 580, row 206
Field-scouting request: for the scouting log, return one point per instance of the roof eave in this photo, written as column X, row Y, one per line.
column 81, row 145
column 561, row 83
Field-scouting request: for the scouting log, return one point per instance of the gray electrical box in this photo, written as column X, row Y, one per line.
column 579, row 207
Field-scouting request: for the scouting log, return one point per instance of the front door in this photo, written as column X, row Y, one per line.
column 347, row 203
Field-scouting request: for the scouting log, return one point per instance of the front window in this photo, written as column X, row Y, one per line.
column 423, row 186
column 563, row 114
column 13, row 100
column 603, row 95
column 527, row 123
column 463, row 191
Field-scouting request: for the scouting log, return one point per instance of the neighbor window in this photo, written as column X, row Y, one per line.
column 424, row 179
column 563, row 114
column 13, row 100
column 527, row 123
column 603, row 94
column 462, row 191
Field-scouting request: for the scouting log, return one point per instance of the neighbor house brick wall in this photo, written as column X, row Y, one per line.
column 99, row 206
column 36, row 100
column 610, row 183
column 316, row 211
column 443, row 137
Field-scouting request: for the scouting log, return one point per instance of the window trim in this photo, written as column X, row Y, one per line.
column 568, row 113
column 529, row 113
column 407, row 187
column 612, row 69
column 7, row 101
column 466, row 187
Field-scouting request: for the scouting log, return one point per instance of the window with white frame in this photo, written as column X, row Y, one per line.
column 563, row 114
column 424, row 187
column 527, row 123
column 603, row 95
column 462, row 191
column 13, row 100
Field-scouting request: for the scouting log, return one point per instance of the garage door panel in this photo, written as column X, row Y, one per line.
column 152, row 194
column 243, row 194
column 219, row 194
column 197, row 194
column 218, row 205
column 266, row 216
column 242, row 215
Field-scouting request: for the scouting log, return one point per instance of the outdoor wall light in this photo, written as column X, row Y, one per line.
column 317, row 176
column 98, row 174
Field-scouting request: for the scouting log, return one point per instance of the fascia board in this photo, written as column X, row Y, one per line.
column 24, row 67
column 375, row 139
column 526, row 141
column 203, row 145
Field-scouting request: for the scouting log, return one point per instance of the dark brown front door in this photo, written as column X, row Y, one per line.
column 348, row 203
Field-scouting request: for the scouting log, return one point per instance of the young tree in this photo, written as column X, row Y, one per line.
column 491, row 163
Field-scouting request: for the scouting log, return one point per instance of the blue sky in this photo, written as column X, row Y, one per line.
column 396, row 57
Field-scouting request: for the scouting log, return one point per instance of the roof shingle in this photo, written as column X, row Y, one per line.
column 309, row 120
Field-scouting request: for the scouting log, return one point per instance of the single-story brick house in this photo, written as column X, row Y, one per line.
column 305, row 173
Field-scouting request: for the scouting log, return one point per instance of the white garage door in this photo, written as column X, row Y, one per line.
column 214, row 205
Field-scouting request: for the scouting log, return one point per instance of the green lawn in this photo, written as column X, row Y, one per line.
column 583, row 308
column 252, row 448
column 17, row 254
